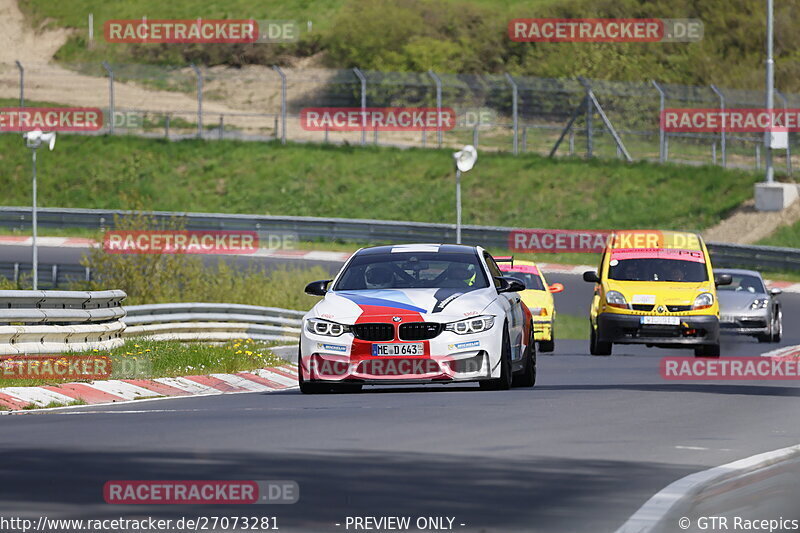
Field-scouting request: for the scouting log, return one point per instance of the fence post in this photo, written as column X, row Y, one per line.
column 571, row 142
column 722, row 136
column 21, row 83
column 277, row 69
column 662, row 153
column 514, row 109
column 758, row 156
column 589, row 129
column 438, row 83
column 714, row 152
column 199, row 100
column 475, row 136
column 363, row 81
column 111, row 104
column 166, row 126
column 788, row 146
column 221, row 127
column 525, row 139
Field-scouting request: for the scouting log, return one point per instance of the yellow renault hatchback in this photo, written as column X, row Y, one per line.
column 655, row 288
column 538, row 296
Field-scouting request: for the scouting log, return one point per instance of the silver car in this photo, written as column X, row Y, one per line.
column 747, row 307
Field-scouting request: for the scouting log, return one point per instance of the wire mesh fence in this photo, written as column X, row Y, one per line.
column 494, row 112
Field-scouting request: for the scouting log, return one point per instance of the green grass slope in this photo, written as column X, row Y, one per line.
column 368, row 182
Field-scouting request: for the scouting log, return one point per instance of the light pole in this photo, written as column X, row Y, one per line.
column 465, row 160
column 770, row 173
column 33, row 140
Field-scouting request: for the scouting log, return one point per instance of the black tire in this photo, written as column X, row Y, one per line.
column 777, row 325
column 305, row 387
column 346, row 388
column 707, row 350
column 504, row 381
column 547, row 346
column 528, row 376
column 596, row 347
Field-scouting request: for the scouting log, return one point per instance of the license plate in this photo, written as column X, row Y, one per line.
column 661, row 320
column 414, row 348
column 727, row 318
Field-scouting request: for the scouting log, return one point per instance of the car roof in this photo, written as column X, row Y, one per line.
column 738, row 271
column 419, row 248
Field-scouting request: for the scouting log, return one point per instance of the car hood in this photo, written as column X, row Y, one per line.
column 736, row 300
column 440, row 305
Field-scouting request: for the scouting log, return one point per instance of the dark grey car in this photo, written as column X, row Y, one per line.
column 747, row 307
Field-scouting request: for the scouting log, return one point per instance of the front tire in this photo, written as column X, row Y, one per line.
column 504, row 381
column 777, row 326
column 305, row 387
column 707, row 350
column 595, row 346
column 528, row 376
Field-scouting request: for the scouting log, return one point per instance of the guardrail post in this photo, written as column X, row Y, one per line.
column 788, row 146
column 514, row 111
column 662, row 153
column 277, row 69
column 111, row 107
column 363, row 81
column 199, row 100
column 438, row 83
column 21, row 83
column 722, row 133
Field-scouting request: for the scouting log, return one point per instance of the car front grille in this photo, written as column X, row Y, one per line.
column 419, row 331
column 373, row 332
column 642, row 307
column 679, row 308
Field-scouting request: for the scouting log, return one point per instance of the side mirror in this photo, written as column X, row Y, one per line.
column 556, row 287
column 318, row 288
column 508, row 284
column 723, row 279
column 591, row 276
column 775, row 291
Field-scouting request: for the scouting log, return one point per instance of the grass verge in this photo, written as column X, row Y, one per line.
column 146, row 359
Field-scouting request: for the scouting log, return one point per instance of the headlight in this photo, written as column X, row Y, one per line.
column 471, row 325
column 759, row 303
column 325, row 327
column 616, row 299
column 703, row 301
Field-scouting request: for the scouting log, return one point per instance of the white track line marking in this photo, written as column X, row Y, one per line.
column 657, row 507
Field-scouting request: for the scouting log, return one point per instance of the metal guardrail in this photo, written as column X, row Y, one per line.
column 363, row 230
column 212, row 322
column 34, row 322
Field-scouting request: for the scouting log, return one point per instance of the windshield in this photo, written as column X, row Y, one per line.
column 413, row 270
column 531, row 281
column 657, row 270
column 744, row 283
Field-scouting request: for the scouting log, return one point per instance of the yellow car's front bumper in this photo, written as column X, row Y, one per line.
column 542, row 329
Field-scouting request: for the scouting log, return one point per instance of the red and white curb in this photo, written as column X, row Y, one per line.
column 125, row 390
column 787, row 353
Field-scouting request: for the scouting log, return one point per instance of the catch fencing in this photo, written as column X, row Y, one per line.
column 496, row 112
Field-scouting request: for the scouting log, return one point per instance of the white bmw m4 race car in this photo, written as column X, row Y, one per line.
column 422, row 313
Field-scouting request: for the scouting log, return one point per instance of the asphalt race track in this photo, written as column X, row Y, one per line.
column 581, row 451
